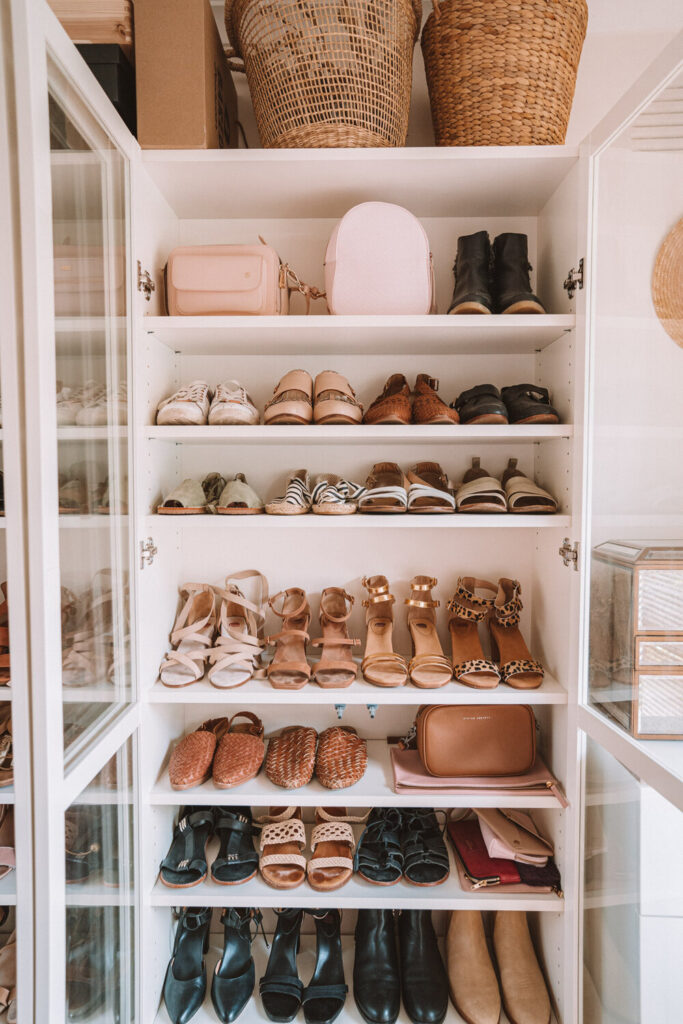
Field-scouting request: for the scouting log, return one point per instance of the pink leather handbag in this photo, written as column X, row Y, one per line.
column 85, row 285
column 378, row 263
column 226, row 280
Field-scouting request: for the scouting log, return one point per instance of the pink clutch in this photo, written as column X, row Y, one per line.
column 410, row 776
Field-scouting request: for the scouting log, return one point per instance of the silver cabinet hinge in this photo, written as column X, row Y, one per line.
column 148, row 550
column 574, row 280
column 569, row 552
column 145, row 283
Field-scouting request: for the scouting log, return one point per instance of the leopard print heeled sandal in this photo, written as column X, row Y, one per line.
column 468, row 609
column 517, row 668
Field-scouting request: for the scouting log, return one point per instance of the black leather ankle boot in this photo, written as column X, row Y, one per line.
column 185, row 982
column 511, row 282
column 423, row 976
column 233, row 980
column 376, row 980
column 472, row 272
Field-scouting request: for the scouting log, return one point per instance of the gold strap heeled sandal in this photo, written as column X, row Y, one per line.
column 428, row 667
column 381, row 665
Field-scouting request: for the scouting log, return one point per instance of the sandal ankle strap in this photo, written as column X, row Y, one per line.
column 348, row 598
column 508, row 614
column 290, row 592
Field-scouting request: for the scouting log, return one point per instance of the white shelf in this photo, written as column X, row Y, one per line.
column 358, row 335
column 411, row 434
column 106, row 693
column 92, row 522
column 477, row 181
column 106, row 433
column 466, row 521
column 356, row 893
column 375, row 789
column 7, row 794
column 253, row 1012
column 94, row 893
column 100, row 796
column 8, row 888
column 259, row 691
column 3, row 524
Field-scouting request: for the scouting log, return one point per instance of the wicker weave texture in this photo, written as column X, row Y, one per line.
column 667, row 284
column 327, row 73
column 342, row 758
column 291, row 757
column 502, row 72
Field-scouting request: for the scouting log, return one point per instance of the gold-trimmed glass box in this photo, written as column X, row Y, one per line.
column 636, row 636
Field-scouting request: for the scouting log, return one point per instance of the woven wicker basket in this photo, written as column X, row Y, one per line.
column 502, row 72
column 327, row 73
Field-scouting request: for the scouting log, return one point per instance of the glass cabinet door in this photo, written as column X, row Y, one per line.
column 89, row 179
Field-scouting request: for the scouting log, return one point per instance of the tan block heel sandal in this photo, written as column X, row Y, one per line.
column 428, row 667
column 336, row 667
column 332, row 845
column 517, row 668
column 192, row 636
column 236, row 655
column 289, row 669
column 381, row 665
column 283, row 839
column 468, row 609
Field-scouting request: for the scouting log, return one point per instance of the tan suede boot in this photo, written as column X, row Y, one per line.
column 471, row 977
column 525, row 995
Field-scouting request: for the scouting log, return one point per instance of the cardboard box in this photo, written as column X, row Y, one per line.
column 185, row 94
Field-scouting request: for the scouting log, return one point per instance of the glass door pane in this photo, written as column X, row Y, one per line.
column 100, row 909
column 90, row 242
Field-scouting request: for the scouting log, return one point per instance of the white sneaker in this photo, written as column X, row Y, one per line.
column 105, row 408
column 187, row 407
column 70, row 401
column 232, row 404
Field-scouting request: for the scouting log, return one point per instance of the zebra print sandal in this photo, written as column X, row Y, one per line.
column 296, row 500
column 334, row 496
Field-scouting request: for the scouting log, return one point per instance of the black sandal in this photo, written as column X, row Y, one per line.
column 528, row 403
column 325, row 994
column 424, row 850
column 233, row 980
column 281, row 987
column 482, row 404
column 185, row 981
column 379, row 858
column 237, row 860
column 185, row 863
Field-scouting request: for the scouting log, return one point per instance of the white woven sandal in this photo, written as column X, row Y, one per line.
column 283, row 837
column 333, row 844
column 236, row 654
column 192, row 636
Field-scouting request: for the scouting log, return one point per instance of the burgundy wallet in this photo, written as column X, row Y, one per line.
column 471, row 849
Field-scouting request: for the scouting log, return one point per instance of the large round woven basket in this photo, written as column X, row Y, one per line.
column 327, row 73
column 667, row 283
column 502, row 72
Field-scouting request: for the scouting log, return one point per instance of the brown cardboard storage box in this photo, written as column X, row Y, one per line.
column 185, row 95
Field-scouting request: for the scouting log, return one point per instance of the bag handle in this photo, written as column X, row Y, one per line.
column 309, row 291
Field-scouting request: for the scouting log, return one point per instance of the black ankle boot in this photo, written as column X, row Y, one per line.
column 472, row 272
column 280, row 987
column 423, row 976
column 325, row 994
column 511, row 282
column 233, row 981
column 185, row 981
column 376, row 980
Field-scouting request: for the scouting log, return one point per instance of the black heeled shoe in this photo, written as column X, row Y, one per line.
column 325, row 994
column 234, row 978
column 423, row 976
column 376, row 979
column 185, row 981
column 280, row 987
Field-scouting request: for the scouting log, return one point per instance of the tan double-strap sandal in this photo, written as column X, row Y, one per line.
column 332, row 844
column 289, row 669
column 381, row 665
column 283, row 840
column 428, row 667
column 336, row 667
column 292, row 400
column 335, row 400
column 517, row 668
column 480, row 492
column 236, row 654
column 192, row 636
column 525, row 496
column 468, row 609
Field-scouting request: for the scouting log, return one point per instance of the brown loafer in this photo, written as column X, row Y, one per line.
column 342, row 757
column 240, row 753
column 427, row 406
column 291, row 757
column 393, row 405
column 292, row 400
column 191, row 760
